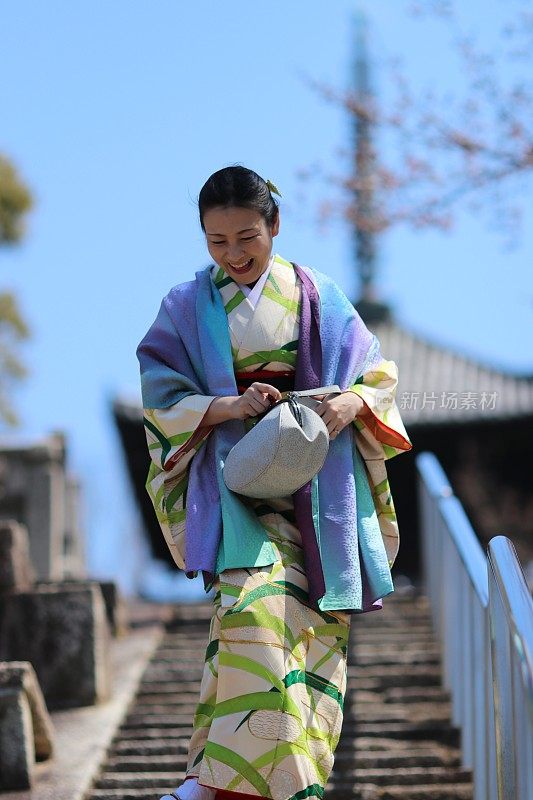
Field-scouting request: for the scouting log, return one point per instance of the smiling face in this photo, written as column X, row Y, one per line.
column 239, row 240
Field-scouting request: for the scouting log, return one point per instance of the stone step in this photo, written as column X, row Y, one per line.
column 153, row 734
column 356, row 702
column 396, row 636
column 366, row 759
column 416, row 618
column 417, row 675
column 406, row 694
column 393, row 609
column 431, row 713
column 193, row 678
column 165, row 716
column 160, row 698
column 401, row 776
column 367, row 652
column 345, row 761
column 146, row 793
column 400, row 629
column 183, row 644
column 184, row 654
column 366, row 749
column 382, row 617
column 182, row 671
column 389, row 744
column 190, row 614
column 433, row 717
column 156, row 741
column 149, row 763
column 441, row 732
column 356, row 706
column 188, row 683
column 366, row 792
column 175, row 747
column 140, row 780
column 413, row 694
column 179, row 663
column 380, row 643
column 429, row 682
column 164, row 708
column 166, row 720
column 180, row 642
column 442, row 791
column 397, row 658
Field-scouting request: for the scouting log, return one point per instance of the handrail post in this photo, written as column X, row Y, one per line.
column 511, row 640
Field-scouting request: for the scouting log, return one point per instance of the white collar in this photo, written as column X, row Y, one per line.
column 253, row 293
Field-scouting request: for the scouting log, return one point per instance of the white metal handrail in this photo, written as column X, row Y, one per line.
column 476, row 610
column 511, row 629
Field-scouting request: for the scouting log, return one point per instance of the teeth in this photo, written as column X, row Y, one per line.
column 239, row 266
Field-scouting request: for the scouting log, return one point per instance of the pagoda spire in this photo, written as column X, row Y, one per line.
column 367, row 305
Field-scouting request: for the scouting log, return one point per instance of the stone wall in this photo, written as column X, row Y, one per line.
column 37, row 491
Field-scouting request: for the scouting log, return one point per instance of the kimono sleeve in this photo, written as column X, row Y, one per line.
column 173, row 411
column 380, row 435
column 173, row 435
column 381, row 421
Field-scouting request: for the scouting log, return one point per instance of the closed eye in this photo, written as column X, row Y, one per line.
column 243, row 239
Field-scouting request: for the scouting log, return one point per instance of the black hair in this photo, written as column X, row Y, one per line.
column 239, row 187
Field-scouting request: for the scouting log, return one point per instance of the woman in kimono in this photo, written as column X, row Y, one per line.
column 289, row 572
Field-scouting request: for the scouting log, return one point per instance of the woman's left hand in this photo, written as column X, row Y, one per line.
column 339, row 410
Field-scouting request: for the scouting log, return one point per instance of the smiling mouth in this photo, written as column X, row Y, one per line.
column 243, row 267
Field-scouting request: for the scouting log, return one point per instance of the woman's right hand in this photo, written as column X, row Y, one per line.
column 258, row 398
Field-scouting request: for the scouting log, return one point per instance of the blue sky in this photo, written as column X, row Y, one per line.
column 116, row 113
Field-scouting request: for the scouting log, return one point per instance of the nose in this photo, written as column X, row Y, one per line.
column 235, row 253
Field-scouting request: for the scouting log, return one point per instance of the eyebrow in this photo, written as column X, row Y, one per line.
column 221, row 234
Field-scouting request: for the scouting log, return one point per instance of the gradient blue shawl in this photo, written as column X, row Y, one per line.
column 187, row 350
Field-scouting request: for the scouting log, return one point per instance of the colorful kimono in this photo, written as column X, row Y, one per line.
column 287, row 572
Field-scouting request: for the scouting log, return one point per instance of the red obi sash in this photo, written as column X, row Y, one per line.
column 282, row 380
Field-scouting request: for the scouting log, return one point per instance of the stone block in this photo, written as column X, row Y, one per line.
column 63, row 631
column 20, row 676
column 116, row 610
column 16, row 569
column 17, row 753
column 115, row 607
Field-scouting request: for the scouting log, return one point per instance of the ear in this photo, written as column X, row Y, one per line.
column 275, row 227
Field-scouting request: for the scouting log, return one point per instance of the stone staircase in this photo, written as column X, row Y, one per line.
column 397, row 740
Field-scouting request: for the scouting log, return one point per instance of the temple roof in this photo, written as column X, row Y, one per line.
column 437, row 384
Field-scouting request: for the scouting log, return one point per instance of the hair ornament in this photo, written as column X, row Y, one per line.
column 273, row 188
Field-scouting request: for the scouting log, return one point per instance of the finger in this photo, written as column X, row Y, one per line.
column 264, row 400
column 260, row 405
column 335, row 424
column 321, row 409
column 253, row 393
column 330, row 417
column 262, row 397
column 335, row 432
column 268, row 389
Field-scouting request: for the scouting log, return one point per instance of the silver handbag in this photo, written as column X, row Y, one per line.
column 283, row 451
